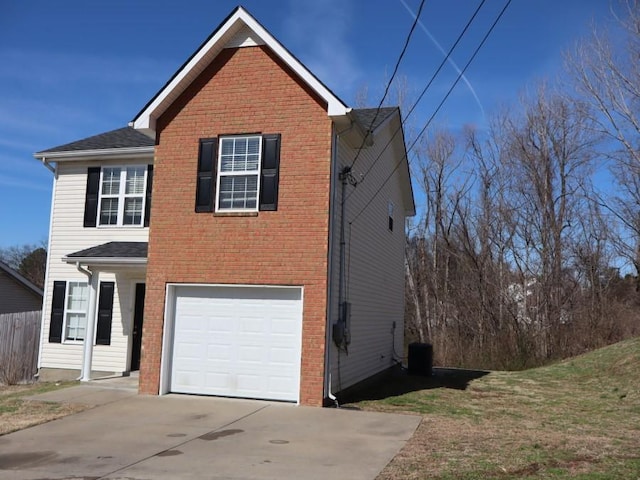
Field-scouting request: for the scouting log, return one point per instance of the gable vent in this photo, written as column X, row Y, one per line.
column 245, row 37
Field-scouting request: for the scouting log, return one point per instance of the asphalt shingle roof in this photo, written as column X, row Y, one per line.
column 366, row 115
column 126, row 137
column 114, row 250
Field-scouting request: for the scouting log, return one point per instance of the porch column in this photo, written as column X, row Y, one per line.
column 87, row 354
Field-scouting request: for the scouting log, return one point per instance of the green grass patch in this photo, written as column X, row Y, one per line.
column 577, row 419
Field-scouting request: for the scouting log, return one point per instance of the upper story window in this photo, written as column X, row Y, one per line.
column 238, row 173
column 122, row 195
column 118, row 196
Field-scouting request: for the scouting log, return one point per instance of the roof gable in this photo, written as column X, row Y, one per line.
column 239, row 29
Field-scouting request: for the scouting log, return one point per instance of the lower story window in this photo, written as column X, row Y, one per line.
column 75, row 316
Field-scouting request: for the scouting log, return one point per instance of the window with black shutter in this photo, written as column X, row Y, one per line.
column 238, row 173
column 269, row 173
column 205, row 181
column 57, row 311
column 118, row 196
column 105, row 313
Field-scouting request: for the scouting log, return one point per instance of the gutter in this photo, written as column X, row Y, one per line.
column 131, row 152
column 111, row 261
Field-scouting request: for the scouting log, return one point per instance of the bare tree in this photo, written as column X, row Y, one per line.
column 607, row 74
column 28, row 260
column 551, row 148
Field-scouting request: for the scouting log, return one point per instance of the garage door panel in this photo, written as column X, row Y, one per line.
column 234, row 341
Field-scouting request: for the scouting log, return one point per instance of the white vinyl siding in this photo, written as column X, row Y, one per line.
column 67, row 236
column 374, row 264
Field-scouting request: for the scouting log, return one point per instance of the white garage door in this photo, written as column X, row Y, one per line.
column 237, row 342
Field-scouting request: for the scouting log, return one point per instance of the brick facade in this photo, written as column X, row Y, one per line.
column 244, row 90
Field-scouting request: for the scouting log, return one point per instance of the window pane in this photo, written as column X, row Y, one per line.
column 238, row 192
column 135, row 180
column 241, row 146
column 226, row 147
column 132, row 211
column 109, row 211
column 253, row 145
column 110, row 181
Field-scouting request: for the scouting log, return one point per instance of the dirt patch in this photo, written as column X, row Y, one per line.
column 16, row 413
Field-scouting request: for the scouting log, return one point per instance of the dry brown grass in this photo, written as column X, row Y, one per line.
column 577, row 419
column 17, row 413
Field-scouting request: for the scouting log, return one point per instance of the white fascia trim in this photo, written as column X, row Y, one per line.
column 132, row 152
column 147, row 120
column 109, row 261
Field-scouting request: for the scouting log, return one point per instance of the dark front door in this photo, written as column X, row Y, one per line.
column 138, row 315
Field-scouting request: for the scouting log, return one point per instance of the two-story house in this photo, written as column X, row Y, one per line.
column 218, row 243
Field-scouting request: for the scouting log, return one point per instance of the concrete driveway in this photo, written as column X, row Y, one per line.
column 127, row 436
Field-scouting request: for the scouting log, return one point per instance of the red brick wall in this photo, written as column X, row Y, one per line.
column 244, row 90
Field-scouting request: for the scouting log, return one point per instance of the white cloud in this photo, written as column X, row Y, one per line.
column 318, row 32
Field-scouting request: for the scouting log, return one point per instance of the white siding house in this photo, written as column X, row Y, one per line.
column 375, row 212
column 69, row 234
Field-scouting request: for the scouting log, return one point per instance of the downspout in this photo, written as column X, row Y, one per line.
column 87, row 352
column 46, row 164
column 330, row 295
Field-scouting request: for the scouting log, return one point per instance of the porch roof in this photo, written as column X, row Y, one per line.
column 111, row 253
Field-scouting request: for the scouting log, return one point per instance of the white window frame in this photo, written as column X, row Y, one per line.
column 68, row 311
column 122, row 196
column 220, row 174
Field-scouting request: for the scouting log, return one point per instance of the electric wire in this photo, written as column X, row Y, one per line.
column 424, row 91
column 405, row 156
column 393, row 75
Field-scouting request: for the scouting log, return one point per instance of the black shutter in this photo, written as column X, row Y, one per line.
column 206, row 180
column 57, row 312
column 269, row 173
column 91, row 198
column 105, row 313
column 147, row 204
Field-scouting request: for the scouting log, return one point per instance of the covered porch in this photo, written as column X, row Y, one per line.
column 116, row 280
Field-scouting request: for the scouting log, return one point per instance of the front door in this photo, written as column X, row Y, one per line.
column 138, row 315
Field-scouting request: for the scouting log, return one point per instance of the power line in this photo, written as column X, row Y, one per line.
column 484, row 39
column 393, row 75
column 424, row 91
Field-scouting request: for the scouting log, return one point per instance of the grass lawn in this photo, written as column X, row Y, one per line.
column 17, row 413
column 577, row 419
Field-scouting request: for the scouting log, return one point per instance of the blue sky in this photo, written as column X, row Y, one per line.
column 74, row 68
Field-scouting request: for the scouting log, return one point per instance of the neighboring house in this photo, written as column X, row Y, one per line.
column 17, row 294
column 237, row 291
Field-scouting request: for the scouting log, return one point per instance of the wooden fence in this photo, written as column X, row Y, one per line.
column 19, row 342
